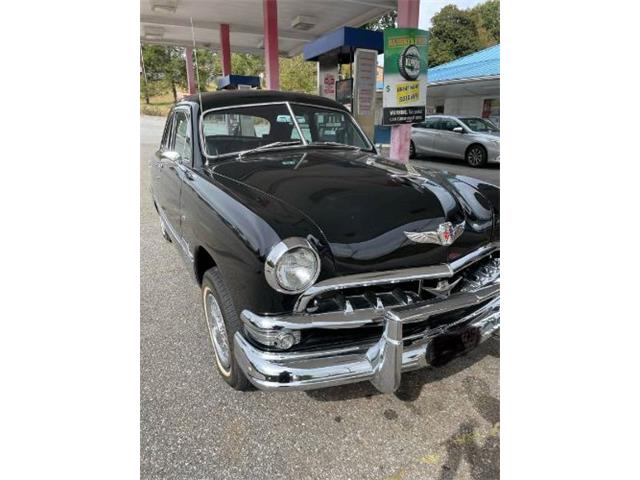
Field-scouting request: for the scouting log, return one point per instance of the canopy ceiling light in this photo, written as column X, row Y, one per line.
column 303, row 22
column 153, row 33
column 165, row 6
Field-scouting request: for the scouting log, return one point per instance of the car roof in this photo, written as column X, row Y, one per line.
column 229, row 98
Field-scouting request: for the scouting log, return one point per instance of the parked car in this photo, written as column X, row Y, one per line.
column 473, row 139
column 321, row 263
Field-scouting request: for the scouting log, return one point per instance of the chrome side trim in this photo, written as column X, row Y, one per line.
column 392, row 276
column 178, row 238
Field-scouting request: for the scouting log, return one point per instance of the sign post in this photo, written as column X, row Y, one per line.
column 404, row 95
column 364, row 88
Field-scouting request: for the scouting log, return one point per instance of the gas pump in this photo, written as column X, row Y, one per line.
column 355, row 87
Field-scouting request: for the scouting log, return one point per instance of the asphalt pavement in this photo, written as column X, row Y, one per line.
column 442, row 423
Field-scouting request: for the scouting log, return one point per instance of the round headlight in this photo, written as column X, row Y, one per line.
column 292, row 266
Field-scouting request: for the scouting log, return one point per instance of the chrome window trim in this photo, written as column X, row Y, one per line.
column 293, row 116
column 187, row 111
column 295, row 122
column 369, row 279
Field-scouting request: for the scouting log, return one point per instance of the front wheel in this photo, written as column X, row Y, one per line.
column 222, row 324
column 412, row 150
column 476, row 156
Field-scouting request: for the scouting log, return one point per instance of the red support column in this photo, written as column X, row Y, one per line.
column 272, row 67
column 191, row 74
column 226, row 49
column 408, row 14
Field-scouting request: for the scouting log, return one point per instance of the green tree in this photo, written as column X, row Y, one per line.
column 151, row 61
column 487, row 18
column 388, row 20
column 297, row 75
column 453, row 34
column 209, row 67
column 166, row 69
column 246, row 64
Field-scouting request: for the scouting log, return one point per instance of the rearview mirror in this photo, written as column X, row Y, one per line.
column 172, row 156
column 458, row 130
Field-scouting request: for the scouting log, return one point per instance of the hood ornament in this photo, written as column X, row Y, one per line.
column 446, row 234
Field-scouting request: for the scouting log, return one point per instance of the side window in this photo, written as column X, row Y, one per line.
column 182, row 136
column 166, row 136
column 449, row 124
column 430, row 123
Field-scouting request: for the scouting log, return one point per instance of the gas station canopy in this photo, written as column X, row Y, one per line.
column 168, row 22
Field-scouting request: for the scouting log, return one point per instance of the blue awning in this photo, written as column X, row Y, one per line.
column 485, row 63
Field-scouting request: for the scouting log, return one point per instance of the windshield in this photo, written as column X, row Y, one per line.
column 260, row 127
column 479, row 125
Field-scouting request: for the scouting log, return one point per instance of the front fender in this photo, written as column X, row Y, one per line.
column 238, row 225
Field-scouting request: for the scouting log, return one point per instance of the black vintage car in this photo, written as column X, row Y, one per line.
column 320, row 262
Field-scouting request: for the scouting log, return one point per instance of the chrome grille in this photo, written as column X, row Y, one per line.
column 477, row 275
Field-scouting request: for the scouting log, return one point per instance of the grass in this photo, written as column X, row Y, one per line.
column 158, row 105
column 161, row 104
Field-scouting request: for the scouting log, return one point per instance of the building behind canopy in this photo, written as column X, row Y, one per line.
column 467, row 86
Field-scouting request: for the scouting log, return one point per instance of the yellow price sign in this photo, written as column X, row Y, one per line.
column 407, row 92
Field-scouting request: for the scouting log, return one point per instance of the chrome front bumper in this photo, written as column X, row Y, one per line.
column 381, row 362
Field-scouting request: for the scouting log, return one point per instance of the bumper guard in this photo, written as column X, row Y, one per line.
column 382, row 362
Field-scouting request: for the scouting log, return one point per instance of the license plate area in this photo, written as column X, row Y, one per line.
column 448, row 346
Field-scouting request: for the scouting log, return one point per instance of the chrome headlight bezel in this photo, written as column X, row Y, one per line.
column 276, row 254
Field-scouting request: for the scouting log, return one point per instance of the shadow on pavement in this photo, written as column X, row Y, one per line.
column 412, row 382
column 481, row 451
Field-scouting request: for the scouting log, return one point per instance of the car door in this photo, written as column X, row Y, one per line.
column 423, row 136
column 449, row 143
column 178, row 154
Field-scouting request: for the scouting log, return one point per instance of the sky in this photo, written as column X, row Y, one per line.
column 428, row 8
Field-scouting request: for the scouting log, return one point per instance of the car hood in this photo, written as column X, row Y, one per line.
column 363, row 204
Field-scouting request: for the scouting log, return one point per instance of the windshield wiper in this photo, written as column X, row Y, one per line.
column 334, row 144
column 268, row 146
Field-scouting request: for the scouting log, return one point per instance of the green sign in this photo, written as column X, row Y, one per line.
column 404, row 95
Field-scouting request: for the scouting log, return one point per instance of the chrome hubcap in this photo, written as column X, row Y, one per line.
column 475, row 156
column 217, row 330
